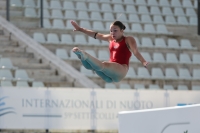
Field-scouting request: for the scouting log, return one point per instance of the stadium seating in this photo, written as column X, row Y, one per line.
column 154, row 24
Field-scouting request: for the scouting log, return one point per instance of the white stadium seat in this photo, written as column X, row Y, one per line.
column 143, row 73
column 80, row 40
column 167, row 11
column 196, row 58
column 103, row 55
column 124, row 86
column 140, row 2
column 22, row 84
column 91, row 52
column 146, row 56
column 184, row 58
column 56, row 13
column 30, row 12
column 110, row 86
column 66, row 39
column 133, row 18
column 173, row 43
column 94, row 7
column 98, row 25
column 16, row 3
column 37, row 84
column 170, row 20
column 143, row 10
column 155, row 10
column 182, row 87
column 147, row 42
column 22, row 75
column 158, row 19
column 158, row 57
column 95, row 16
column 191, row 12
column 62, row 53
column 131, row 73
column 184, row 74
column 193, row 21
column 83, row 15
column 182, row 20
column 178, row 11
column 187, row 3
column 157, row 73
column 196, row 74
column 81, row 6
column 168, row 87
column 118, row 8
column 170, row 73
column 160, row 42
column 152, row 2
column 171, row 58
column 5, row 74
column 92, row 41
column 106, row 7
column 6, row 84
column 154, row 87
column 160, row 28
column 195, row 87
column 136, row 27
column 6, row 63
column 117, row 1
column 108, row 16
column 52, row 38
column 164, row 3
column 139, row 86
column 58, row 24
column 149, row 28
column 131, row 9
column 128, row 2
column 68, row 5
column 47, row 23
column 55, row 4
column 29, row 3
column 176, row 3
column 86, row 24
column 186, row 44
column 39, row 37
column 146, row 18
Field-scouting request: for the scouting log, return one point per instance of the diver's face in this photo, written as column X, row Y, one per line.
column 115, row 32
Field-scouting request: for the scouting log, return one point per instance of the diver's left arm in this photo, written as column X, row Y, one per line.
column 130, row 41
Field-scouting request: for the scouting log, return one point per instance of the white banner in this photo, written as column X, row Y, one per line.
column 66, row 108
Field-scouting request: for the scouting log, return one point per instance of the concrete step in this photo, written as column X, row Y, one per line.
column 12, row 13
column 4, row 38
column 31, row 65
column 60, row 84
column 4, row 48
column 41, row 72
column 17, row 54
column 25, row 22
column 22, row 60
column 3, row 4
column 52, row 78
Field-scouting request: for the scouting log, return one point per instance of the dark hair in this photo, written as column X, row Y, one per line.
column 119, row 24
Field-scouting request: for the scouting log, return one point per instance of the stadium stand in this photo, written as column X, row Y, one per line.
column 165, row 32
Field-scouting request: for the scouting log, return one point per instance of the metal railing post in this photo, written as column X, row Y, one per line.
column 41, row 13
column 8, row 10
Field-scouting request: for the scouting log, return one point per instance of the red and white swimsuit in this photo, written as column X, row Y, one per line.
column 119, row 52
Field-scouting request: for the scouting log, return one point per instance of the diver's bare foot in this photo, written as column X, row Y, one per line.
column 80, row 53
